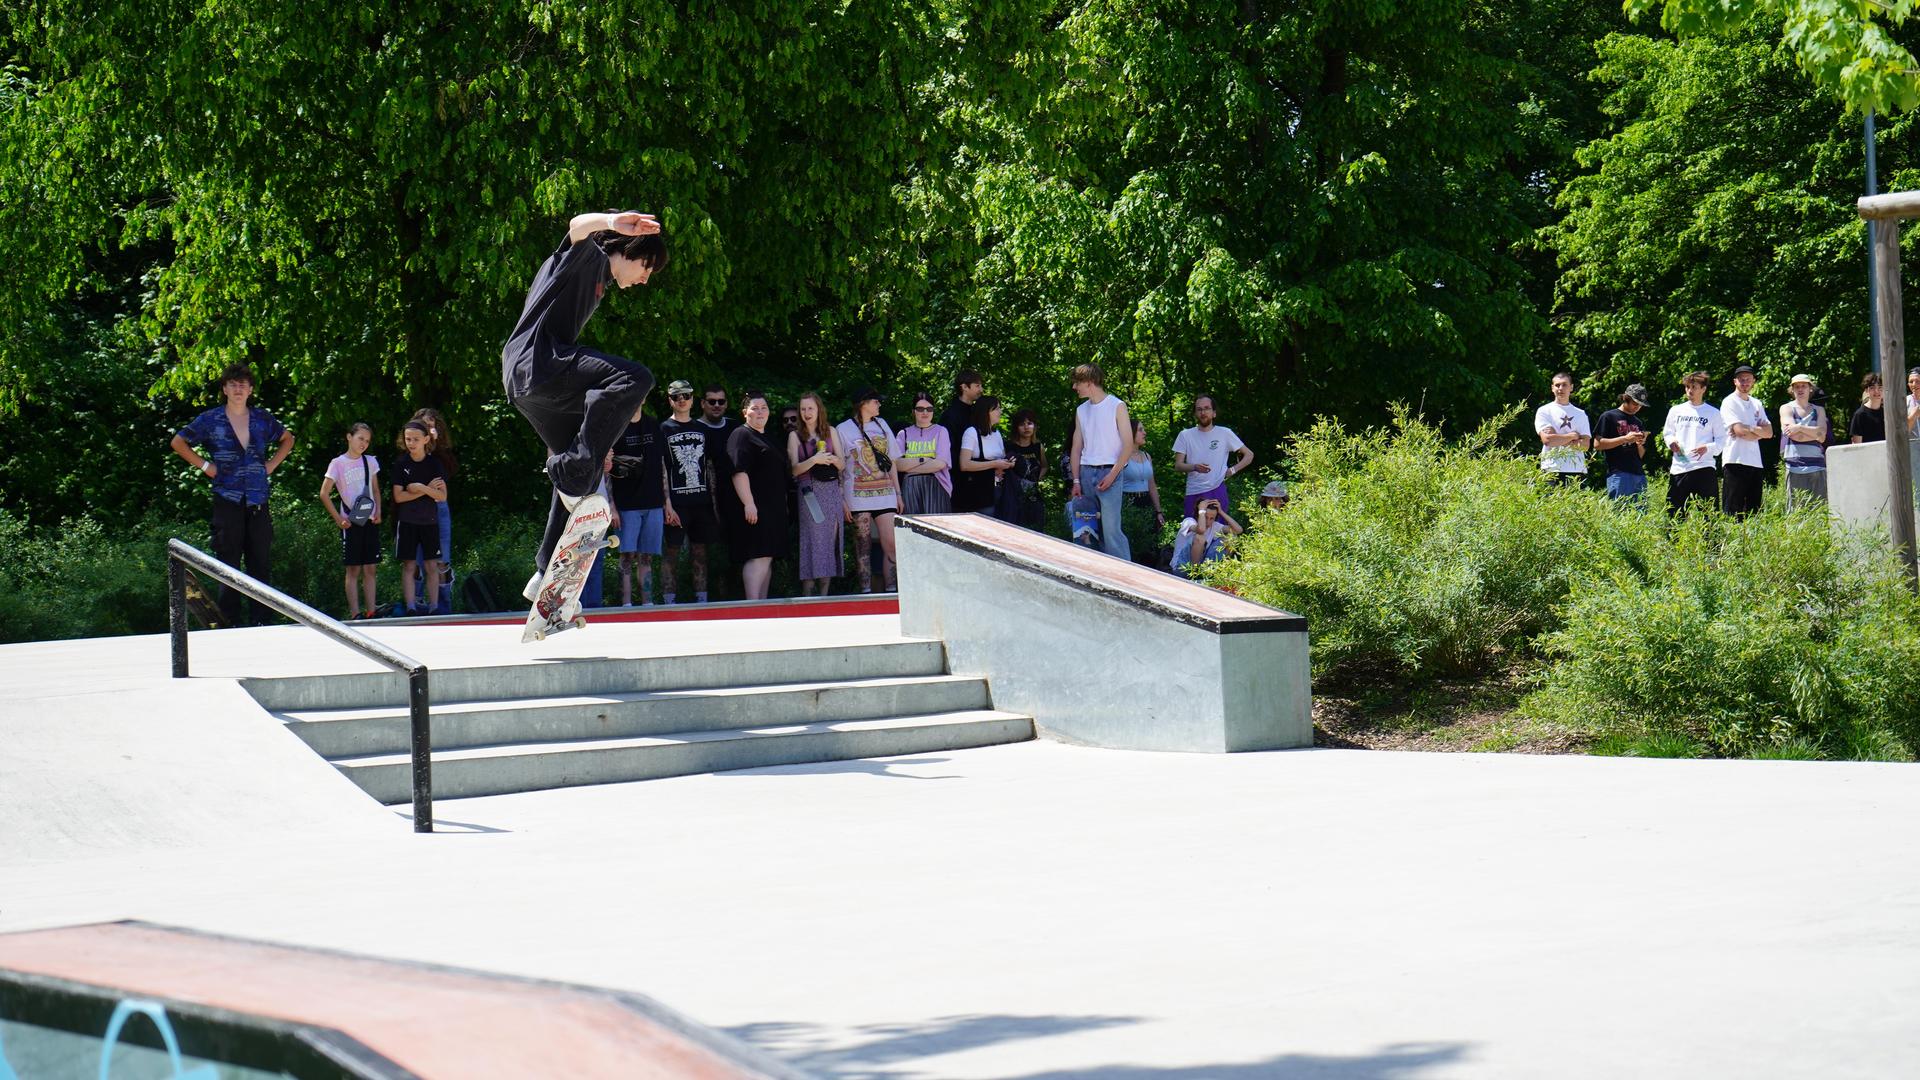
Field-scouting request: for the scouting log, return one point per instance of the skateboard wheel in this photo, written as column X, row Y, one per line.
column 579, row 622
column 539, row 635
column 613, row 542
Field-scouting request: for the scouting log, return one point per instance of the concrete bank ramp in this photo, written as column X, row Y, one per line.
column 154, row 763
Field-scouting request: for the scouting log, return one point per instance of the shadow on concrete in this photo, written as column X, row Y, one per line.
column 452, row 828
column 807, row 1046
column 1399, row 1061
column 873, row 768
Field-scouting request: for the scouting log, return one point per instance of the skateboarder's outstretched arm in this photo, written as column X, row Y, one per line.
column 627, row 222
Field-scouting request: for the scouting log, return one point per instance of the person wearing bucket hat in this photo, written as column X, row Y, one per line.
column 1622, row 441
column 1274, row 496
column 1804, row 427
column 1742, row 475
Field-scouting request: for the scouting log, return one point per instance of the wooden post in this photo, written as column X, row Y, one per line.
column 1893, row 375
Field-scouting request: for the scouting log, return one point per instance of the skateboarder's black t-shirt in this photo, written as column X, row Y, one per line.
column 636, row 467
column 563, row 296
column 1624, row 458
column 420, row 511
column 685, row 446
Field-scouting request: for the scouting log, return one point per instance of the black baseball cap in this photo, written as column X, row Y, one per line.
column 1743, row 370
column 867, row 394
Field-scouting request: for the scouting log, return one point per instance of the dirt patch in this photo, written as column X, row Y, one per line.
column 1447, row 715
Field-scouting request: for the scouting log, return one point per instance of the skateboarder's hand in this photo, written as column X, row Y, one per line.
column 752, row 512
column 635, row 224
column 673, row 519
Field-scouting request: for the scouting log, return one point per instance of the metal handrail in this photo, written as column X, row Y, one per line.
column 181, row 555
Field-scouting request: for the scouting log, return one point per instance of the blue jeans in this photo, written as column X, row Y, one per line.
column 1622, row 485
column 1113, row 539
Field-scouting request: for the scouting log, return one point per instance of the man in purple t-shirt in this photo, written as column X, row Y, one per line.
column 578, row 400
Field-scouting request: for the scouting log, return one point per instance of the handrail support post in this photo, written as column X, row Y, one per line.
column 422, row 751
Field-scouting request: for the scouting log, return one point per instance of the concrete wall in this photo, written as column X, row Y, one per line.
column 1857, row 483
column 1100, row 651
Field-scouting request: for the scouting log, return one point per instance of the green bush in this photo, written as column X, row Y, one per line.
column 1409, row 553
column 77, row 579
column 1774, row 636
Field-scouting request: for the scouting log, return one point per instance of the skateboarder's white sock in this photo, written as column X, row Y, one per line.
column 699, row 598
column 666, row 598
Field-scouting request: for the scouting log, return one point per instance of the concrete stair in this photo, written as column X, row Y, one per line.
column 528, row 727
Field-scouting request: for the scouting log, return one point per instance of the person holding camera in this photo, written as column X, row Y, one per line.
column 866, row 486
column 353, row 475
column 1203, row 537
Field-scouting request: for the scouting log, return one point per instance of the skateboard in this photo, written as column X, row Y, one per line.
column 556, row 605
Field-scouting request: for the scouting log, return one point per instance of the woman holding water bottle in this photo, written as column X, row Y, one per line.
column 814, row 448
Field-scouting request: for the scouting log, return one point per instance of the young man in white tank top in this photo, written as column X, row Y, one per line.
column 1102, row 442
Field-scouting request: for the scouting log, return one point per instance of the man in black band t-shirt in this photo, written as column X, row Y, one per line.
column 577, row 399
column 1622, row 438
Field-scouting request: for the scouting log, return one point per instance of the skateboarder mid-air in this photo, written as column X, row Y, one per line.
column 578, row 400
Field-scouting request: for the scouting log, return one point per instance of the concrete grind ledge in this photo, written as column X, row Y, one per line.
column 1102, row 652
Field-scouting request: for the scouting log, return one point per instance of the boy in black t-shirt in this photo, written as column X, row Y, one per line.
column 1622, row 438
column 639, row 493
column 577, row 399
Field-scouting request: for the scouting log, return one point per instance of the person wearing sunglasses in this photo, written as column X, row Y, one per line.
column 720, row 428
column 691, row 518
column 578, row 399
column 923, row 462
column 867, row 487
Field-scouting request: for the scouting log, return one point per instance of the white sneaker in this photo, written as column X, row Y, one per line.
column 533, row 587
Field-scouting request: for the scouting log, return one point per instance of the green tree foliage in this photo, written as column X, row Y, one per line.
column 1849, row 48
column 1307, row 209
column 356, row 198
column 1715, row 227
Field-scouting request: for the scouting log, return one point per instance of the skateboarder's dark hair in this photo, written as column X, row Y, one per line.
column 240, row 372
column 649, row 251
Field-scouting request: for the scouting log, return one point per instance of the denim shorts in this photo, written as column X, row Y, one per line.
column 640, row 531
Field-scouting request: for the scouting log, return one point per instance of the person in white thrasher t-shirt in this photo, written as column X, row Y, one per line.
column 1695, row 435
column 1747, row 424
column 1565, row 433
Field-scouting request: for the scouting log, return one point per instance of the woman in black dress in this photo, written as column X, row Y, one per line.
column 760, row 479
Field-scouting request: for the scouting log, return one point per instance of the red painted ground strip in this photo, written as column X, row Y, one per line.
column 706, row 613
column 432, row 1022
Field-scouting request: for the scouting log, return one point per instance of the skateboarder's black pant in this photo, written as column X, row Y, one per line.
column 1740, row 489
column 243, row 534
column 579, row 412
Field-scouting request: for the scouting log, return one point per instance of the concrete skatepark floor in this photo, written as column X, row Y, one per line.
column 1041, row 910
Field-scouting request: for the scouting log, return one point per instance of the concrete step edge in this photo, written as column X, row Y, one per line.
column 299, row 717
column 835, row 727
column 578, row 676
